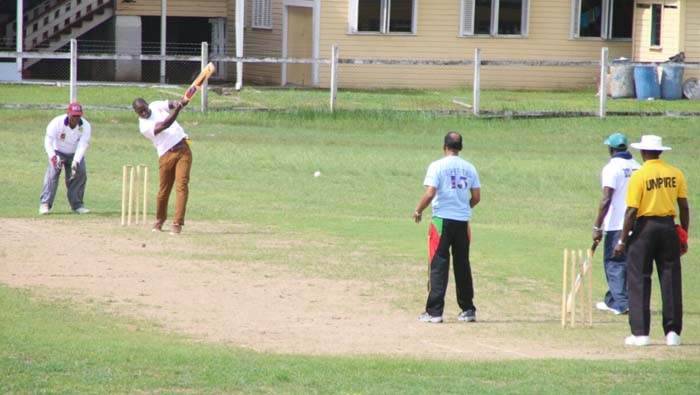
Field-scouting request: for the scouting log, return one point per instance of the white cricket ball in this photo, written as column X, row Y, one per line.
column 317, row 173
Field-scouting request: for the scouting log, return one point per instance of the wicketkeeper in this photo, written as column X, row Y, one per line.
column 66, row 141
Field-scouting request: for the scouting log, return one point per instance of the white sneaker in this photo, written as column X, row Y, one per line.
column 44, row 209
column 81, row 210
column 604, row 307
column 467, row 315
column 673, row 339
column 425, row 317
column 633, row 340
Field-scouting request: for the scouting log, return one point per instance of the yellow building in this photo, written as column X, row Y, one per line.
column 554, row 30
column 664, row 28
column 565, row 30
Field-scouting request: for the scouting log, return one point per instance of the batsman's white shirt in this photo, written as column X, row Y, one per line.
column 60, row 137
column 616, row 175
column 168, row 137
column 453, row 178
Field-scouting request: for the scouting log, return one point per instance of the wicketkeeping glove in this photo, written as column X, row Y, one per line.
column 56, row 162
column 73, row 169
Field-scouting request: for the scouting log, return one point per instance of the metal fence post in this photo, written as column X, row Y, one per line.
column 20, row 36
column 240, row 22
column 205, row 86
column 334, row 75
column 477, row 81
column 163, row 36
column 73, row 70
column 603, row 81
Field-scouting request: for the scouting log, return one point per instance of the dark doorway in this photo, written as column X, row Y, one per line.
column 184, row 37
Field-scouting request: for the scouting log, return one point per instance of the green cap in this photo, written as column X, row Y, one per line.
column 616, row 140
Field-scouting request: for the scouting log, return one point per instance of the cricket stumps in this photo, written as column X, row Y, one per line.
column 134, row 192
column 577, row 283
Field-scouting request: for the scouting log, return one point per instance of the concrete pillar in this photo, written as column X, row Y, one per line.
column 127, row 32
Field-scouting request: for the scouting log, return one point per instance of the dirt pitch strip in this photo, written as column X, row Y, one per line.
column 133, row 273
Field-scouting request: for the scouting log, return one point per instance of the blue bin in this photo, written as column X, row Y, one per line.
column 646, row 82
column 671, row 82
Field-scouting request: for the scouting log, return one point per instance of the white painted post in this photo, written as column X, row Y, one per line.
column 205, row 85
column 603, row 81
column 73, row 70
column 477, row 81
column 163, row 35
column 19, row 35
column 334, row 75
column 240, row 14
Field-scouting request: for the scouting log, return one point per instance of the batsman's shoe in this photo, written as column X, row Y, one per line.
column 467, row 315
column 157, row 227
column 604, row 307
column 425, row 317
column 81, row 210
column 176, row 229
column 633, row 340
column 44, row 209
column 672, row 339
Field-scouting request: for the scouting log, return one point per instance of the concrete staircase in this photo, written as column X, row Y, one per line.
column 51, row 24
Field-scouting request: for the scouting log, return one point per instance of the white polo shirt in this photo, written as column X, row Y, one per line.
column 616, row 175
column 453, row 178
column 168, row 137
column 60, row 137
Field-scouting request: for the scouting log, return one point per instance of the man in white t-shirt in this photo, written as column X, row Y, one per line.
column 66, row 142
column 157, row 122
column 615, row 177
column 452, row 186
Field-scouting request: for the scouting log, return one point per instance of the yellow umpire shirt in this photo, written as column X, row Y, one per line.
column 654, row 188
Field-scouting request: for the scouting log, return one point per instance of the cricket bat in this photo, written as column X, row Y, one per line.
column 204, row 75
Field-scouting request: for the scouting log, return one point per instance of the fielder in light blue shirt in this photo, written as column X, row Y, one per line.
column 453, row 178
column 452, row 186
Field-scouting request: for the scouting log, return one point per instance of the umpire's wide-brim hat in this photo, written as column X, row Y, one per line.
column 650, row 142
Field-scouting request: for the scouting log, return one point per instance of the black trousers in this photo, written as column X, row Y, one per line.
column 655, row 239
column 454, row 235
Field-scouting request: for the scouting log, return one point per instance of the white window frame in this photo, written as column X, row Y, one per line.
column 261, row 17
column 466, row 24
column 385, row 15
column 606, row 15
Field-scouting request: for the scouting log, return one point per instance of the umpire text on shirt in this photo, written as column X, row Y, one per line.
column 654, row 192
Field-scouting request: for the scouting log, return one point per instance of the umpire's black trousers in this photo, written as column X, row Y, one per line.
column 453, row 234
column 655, row 239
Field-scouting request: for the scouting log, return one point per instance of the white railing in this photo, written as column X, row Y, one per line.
column 30, row 16
column 334, row 61
column 53, row 17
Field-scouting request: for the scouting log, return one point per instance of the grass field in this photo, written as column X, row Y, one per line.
column 540, row 191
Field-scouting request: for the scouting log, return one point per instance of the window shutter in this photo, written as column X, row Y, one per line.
column 606, row 17
column 262, row 14
column 525, row 22
column 267, row 13
column 575, row 18
column 256, row 12
column 352, row 16
column 467, row 17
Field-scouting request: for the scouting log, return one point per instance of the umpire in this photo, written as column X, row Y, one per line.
column 654, row 191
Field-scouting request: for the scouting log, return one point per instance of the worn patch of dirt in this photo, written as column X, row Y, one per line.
column 267, row 308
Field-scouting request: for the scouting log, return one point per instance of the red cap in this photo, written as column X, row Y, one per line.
column 75, row 109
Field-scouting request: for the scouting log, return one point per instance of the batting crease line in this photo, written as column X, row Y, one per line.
column 479, row 344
